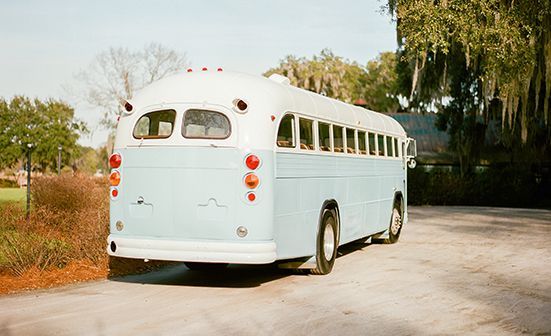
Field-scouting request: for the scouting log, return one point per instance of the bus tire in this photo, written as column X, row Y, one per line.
column 396, row 224
column 326, row 245
column 203, row 266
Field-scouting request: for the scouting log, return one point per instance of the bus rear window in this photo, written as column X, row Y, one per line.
column 203, row 124
column 155, row 125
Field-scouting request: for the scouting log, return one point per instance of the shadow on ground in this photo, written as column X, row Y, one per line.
column 234, row 276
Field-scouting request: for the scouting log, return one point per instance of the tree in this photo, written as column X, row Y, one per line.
column 344, row 80
column 116, row 74
column 380, row 86
column 44, row 124
column 476, row 61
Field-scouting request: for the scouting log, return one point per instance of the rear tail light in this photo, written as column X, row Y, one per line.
column 115, row 178
column 252, row 161
column 115, row 160
column 114, row 192
column 251, row 197
column 251, row 181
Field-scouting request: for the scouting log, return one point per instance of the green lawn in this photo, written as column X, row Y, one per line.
column 12, row 195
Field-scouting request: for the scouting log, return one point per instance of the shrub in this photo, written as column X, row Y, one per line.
column 6, row 183
column 69, row 221
column 23, row 250
column 512, row 186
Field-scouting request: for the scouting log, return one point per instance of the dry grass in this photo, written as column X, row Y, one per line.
column 69, row 222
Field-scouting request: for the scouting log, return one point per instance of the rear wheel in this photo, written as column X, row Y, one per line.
column 200, row 266
column 327, row 243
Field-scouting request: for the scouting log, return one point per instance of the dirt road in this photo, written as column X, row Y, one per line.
column 456, row 270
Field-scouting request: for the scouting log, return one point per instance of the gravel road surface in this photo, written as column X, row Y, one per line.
column 456, row 270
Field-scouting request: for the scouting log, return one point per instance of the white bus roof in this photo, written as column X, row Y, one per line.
column 270, row 96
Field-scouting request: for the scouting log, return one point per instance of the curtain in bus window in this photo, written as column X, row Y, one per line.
column 361, row 142
column 203, row 124
column 338, row 142
column 396, row 154
column 324, row 137
column 372, row 146
column 381, row 145
column 389, row 149
column 306, row 132
column 155, row 125
column 286, row 132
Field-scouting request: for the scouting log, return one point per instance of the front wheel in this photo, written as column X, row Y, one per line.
column 395, row 227
column 326, row 247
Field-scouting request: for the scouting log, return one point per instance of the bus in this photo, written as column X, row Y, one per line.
column 217, row 167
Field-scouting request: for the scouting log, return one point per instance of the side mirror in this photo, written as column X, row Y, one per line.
column 412, row 163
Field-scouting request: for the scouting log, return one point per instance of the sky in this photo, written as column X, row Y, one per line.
column 44, row 44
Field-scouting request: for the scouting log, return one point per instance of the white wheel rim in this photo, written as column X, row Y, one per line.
column 328, row 240
column 396, row 222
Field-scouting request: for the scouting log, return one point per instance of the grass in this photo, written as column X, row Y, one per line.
column 16, row 195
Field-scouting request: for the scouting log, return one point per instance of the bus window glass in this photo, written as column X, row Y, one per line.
column 338, row 142
column 324, row 137
column 306, row 129
column 350, row 145
column 203, row 124
column 286, row 132
column 389, row 149
column 381, row 145
column 361, row 143
column 372, row 146
column 396, row 147
column 155, row 125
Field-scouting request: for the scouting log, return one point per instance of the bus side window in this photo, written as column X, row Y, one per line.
column 396, row 154
column 361, row 143
column 381, row 144
column 306, row 133
column 389, row 149
column 372, row 144
column 350, row 145
column 324, row 137
column 286, row 132
column 338, row 142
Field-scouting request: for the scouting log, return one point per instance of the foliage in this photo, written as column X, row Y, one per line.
column 117, row 73
column 490, row 59
column 512, row 186
column 69, row 221
column 338, row 78
column 44, row 124
column 380, row 85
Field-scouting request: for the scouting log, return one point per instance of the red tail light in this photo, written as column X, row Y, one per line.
column 251, row 197
column 252, row 161
column 115, row 178
column 251, row 181
column 115, row 192
column 115, row 160
column 204, row 69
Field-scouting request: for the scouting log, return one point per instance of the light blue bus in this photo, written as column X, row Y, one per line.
column 216, row 167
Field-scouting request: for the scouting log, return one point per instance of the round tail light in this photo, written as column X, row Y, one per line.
column 115, row 178
column 251, row 181
column 114, row 193
column 115, row 160
column 251, row 197
column 252, row 161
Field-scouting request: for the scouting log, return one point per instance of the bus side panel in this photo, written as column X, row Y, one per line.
column 362, row 187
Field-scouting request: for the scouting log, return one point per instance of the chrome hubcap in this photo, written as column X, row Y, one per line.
column 396, row 221
column 329, row 239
